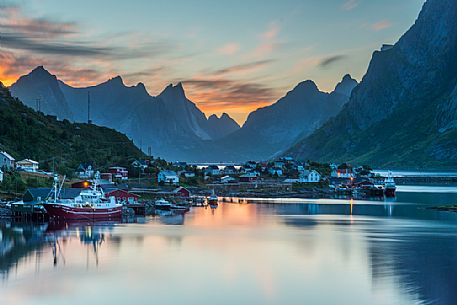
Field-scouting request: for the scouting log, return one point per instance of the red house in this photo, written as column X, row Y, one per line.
column 123, row 196
column 119, row 172
column 182, row 192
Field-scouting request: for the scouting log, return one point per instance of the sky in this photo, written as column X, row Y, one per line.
column 232, row 56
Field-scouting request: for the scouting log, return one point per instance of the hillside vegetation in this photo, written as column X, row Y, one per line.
column 25, row 133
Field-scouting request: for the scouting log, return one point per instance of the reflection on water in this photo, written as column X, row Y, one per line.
column 312, row 252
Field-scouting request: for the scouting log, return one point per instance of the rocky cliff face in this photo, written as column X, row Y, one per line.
column 405, row 97
column 270, row 130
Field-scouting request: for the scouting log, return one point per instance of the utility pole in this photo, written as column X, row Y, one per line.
column 88, row 108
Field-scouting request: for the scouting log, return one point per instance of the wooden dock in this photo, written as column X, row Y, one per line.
column 28, row 212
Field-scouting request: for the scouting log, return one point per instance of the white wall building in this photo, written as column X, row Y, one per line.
column 168, row 177
column 6, row 161
column 309, row 176
column 28, row 165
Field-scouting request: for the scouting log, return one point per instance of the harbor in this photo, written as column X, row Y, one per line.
column 358, row 241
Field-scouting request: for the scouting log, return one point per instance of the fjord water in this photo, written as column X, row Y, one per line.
column 286, row 252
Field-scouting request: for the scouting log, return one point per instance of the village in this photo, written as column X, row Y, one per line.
column 146, row 184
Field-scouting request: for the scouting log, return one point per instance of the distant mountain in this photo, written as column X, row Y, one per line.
column 25, row 133
column 41, row 91
column 270, row 130
column 221, row 127
column 404, row 112
column 170, row 124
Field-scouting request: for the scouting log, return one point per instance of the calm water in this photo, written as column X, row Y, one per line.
column 297, row 252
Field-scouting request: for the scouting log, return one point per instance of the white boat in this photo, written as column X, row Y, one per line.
column 162, row 204
column 389, row 185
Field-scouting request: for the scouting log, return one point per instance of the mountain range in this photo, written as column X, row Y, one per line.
column 169, row 124
column 173, row 127
column 404, row 112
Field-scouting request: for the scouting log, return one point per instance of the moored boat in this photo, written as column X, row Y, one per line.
column 163, row 205
column 389, row 185
column 90, row 204
column 213, row 200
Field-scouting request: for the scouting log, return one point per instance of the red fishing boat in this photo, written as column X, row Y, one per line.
column 90, row 204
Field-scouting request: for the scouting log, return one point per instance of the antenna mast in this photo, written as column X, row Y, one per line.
column 88, row 108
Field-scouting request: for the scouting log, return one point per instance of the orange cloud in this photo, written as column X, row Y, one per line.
column 381, row 25
column 238, row 98
column 267, row 41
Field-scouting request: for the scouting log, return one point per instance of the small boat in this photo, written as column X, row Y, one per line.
column 179, row 209
column 90, row 204
column 162, row 204
column 213, row 200
column 389, row 185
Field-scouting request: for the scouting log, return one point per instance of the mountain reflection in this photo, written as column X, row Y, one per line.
column 391, row 251
column 421, row 257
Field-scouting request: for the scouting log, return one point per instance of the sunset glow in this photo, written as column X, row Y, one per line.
column 225, row 66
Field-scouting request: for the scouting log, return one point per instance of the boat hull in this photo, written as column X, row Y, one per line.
column 58, row 211
column 390, row 191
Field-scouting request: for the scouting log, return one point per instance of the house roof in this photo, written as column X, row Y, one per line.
column 179, row 189
column 41, row 192
column 123, row 191
column 44, row 193
column 168, row 173
column 7, row 155
column 26, row 161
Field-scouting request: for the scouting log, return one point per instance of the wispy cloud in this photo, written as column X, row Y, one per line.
column 27, row 41
column 349, row 5
column 230, row 48
column 268, row 41
column 381, row 25
column 328, row 61
column 248, row 67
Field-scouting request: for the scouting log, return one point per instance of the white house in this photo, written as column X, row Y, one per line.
column 1, row 175
column 6, row 161
column 213, row 170
column 275, row 171
column 168, row 177
column 28, row 165
column 309, row 176
column 230, row 170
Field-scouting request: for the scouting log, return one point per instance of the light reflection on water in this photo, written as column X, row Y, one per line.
column 317, row 252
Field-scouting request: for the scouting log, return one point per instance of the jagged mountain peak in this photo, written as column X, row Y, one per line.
column 307, row 85
column 117, row 80
column 38, row 74
column 225, row 116
column 346, row 85
column 174, row 90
